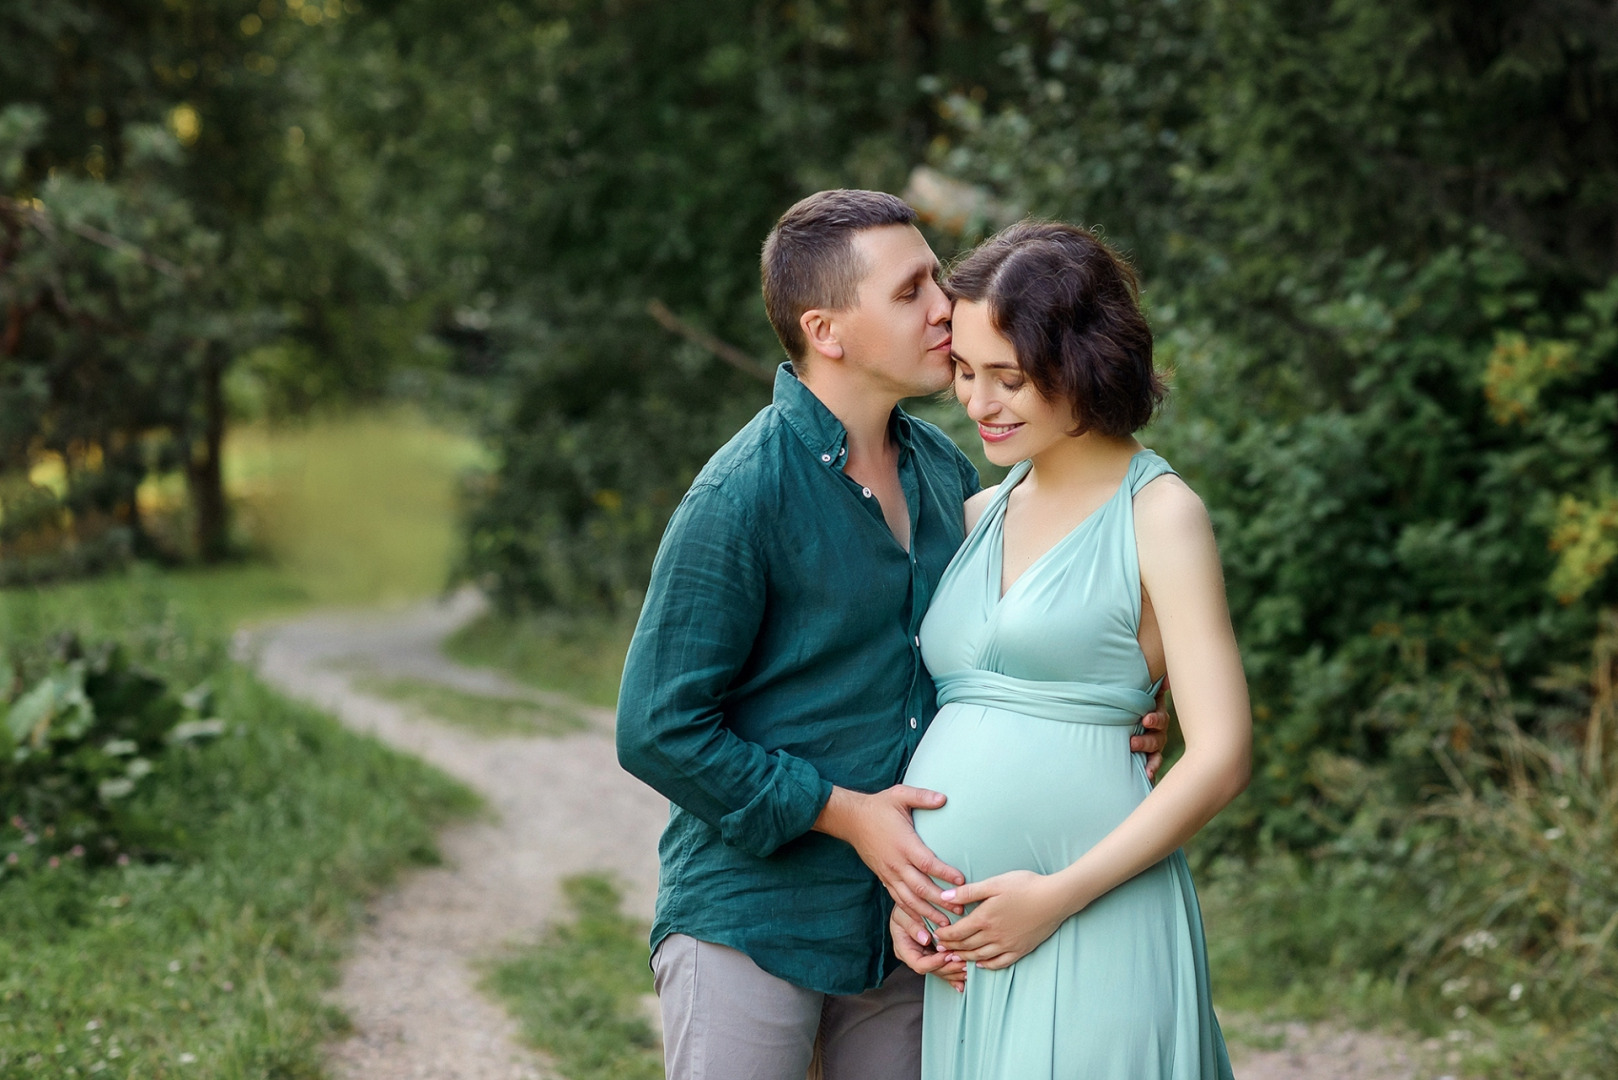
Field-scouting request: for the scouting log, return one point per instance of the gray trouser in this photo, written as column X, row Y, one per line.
column 724, row 1018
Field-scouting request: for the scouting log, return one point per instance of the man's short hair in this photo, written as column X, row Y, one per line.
column 809, row 259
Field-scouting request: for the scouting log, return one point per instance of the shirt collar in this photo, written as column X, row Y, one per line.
column 815, row 424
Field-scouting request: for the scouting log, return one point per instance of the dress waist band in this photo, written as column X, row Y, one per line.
column 1069, row 702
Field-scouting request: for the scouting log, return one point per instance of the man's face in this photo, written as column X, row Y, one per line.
column 897, row 330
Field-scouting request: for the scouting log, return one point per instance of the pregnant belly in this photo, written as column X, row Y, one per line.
column 1024, row 793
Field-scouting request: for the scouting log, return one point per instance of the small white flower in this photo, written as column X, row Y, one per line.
column 174, row 965
column 1479, row 942
column 92, row 1025
column 1554, row 833
column 1563, row 803
column 188, row 1059
column 1515, row 993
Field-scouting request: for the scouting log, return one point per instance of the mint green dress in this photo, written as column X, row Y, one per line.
column 1040, row 691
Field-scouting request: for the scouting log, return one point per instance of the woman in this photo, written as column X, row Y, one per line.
column 1087, row 576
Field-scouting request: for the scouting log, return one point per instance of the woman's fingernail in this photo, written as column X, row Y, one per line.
column 949, row 894
column 921, row 937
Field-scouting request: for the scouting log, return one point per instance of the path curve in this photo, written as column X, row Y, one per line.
column 558, row 806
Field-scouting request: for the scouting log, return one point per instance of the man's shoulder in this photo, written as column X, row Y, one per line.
column 741, row 468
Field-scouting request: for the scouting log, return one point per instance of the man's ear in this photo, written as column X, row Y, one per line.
column 821, row 333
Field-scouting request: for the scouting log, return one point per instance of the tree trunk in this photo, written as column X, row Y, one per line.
column 205, row 474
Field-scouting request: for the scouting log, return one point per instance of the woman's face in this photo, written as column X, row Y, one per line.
column 1014, row 420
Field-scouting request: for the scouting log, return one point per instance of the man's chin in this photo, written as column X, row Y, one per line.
column 934, row 378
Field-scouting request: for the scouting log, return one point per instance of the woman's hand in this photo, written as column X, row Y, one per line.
column 1015, row 912
column 913, row 944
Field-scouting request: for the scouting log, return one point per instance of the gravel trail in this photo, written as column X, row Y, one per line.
column 558, row 806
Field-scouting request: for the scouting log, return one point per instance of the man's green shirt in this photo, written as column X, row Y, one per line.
column 777, row 655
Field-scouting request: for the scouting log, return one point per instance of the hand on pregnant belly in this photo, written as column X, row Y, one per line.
column 1016, row 911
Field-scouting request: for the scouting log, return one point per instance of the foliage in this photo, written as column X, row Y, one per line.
column 1486, row 915
column 579, row 991
column 75, row 744
column 163, row 216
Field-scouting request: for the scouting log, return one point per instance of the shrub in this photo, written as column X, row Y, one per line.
column 77, row 739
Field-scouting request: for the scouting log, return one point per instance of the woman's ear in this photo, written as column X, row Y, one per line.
column 821, row 333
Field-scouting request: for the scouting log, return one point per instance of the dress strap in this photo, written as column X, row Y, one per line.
column 1145, row 467
column 1002, row 493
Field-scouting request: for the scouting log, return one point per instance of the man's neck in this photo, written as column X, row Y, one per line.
column 862, row 410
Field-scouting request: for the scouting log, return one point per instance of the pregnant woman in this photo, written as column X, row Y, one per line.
column 1088, row 575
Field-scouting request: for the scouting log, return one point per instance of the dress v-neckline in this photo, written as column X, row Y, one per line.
column 1002, row 591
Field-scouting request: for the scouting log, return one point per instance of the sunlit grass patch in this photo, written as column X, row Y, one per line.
column 354, row 510
column 475, row 712
column 579, row 991
column 577, row 654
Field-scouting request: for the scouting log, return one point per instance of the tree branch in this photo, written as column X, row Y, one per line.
column 40, row 219
column 730, row 354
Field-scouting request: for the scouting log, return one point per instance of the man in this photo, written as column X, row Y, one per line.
column 774, row 689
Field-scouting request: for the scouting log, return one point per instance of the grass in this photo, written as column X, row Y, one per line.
column 579, row 655
column 578, row 992
column 475, row 712
column 213, row 961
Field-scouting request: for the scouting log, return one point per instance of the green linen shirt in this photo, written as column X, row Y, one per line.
column 777, row 655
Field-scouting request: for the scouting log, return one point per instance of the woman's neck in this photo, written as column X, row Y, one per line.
column 1080, row 463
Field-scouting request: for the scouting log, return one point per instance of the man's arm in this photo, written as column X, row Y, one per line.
column 697, row 627
column 702, row 614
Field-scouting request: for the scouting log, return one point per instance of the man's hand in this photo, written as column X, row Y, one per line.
column 1156, row 738
column 879, row 828
column 914, row 945
column 1016, row 911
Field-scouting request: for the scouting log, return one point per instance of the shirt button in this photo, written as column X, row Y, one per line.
column 825, row 457
column 918, row 641
column 866, row 492
column 912, row 721
column 843, row 451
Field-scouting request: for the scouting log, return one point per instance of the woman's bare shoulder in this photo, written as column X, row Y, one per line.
column 975, row 505
column 1167, row 507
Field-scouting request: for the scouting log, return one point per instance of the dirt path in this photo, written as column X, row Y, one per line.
column 558, row 806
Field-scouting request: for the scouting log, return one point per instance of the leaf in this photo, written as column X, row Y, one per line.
column 196, row 730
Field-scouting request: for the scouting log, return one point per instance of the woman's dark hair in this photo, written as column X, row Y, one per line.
column 1070, row 306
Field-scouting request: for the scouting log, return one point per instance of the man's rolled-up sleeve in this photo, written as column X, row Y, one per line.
column 702, row 614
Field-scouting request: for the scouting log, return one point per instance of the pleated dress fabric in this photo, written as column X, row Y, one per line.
column 1040, row 691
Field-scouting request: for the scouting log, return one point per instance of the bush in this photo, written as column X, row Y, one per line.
column 77, row 740
column 1488, row 912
